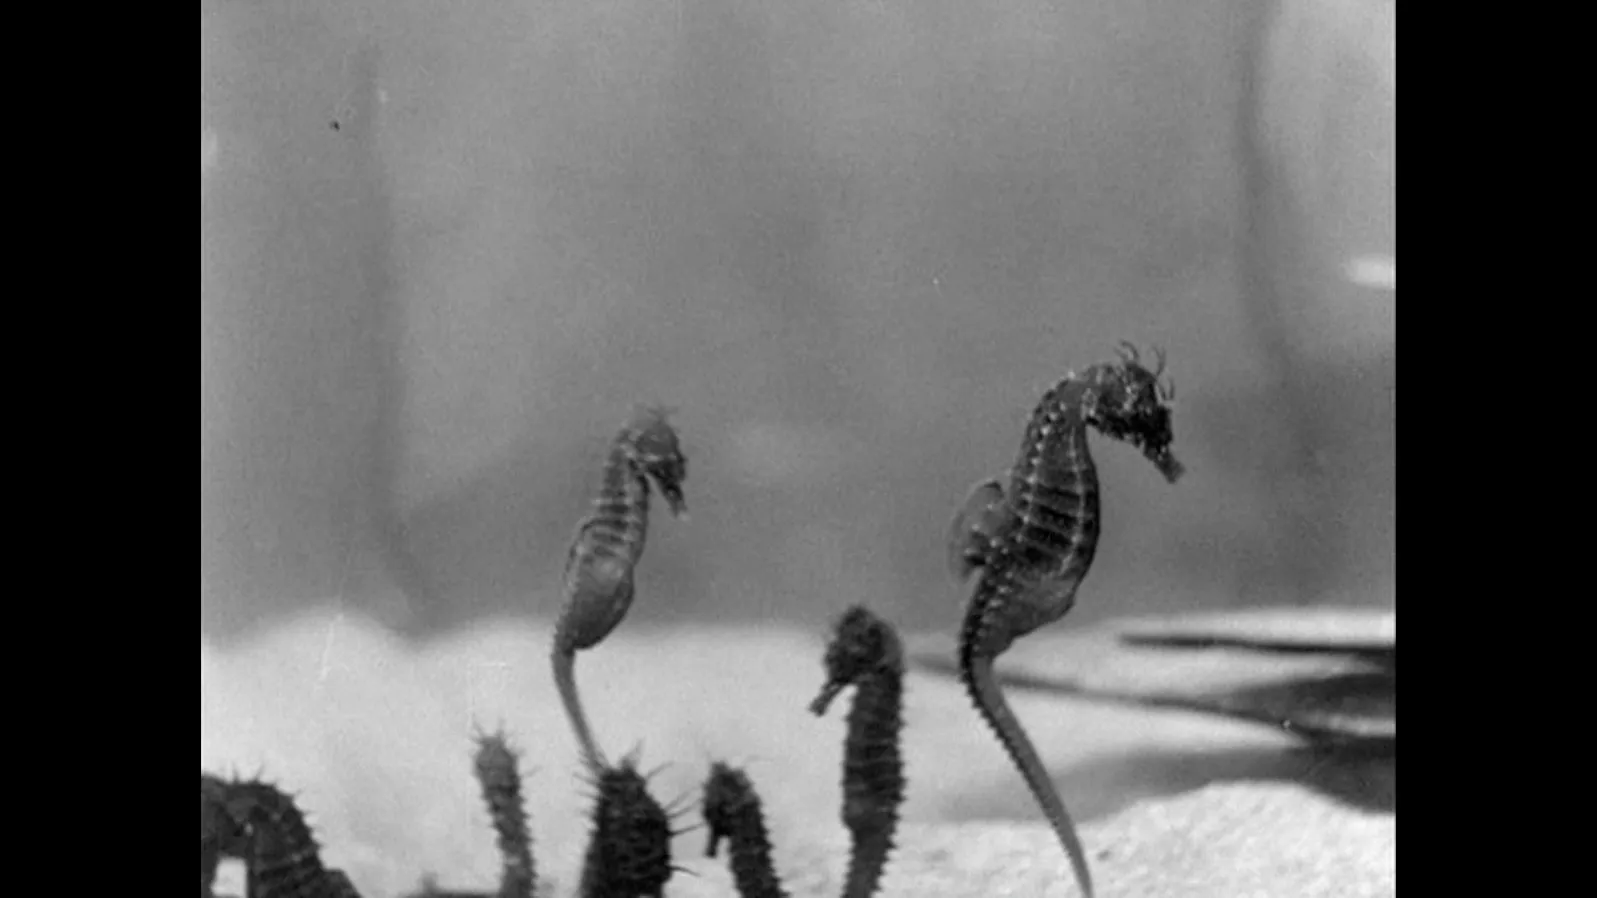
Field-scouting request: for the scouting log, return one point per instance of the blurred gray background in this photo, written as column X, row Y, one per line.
column 445, row 246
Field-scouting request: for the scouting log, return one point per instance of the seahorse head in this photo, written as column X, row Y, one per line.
column 1134, row 405
column 657, row 452
column 727, row 795
column 862, row 644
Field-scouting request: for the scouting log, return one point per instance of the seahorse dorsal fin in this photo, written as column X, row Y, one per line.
column 972, row 529
column 575, row 546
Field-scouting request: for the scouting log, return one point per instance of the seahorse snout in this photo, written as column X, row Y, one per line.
column 1168, row 465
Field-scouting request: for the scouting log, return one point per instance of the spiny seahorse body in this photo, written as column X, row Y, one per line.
column 1042, row 539
column 496, row 767
column 222, row 834
column 732, row 814
column 284, row 859
column 1031, row 542
column 873, row 788
column 866, row 652
column 629, row 851
column 605, row 551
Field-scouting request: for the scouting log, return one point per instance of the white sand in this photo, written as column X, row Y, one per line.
column 375, row 739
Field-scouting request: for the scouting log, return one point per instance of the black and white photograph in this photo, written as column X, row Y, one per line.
column 797, row 448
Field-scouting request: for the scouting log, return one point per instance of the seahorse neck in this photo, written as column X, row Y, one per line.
column 1056, row 438
column 619, row 466
column 625, row 491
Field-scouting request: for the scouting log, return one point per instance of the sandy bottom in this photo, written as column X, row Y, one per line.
column 375, row 739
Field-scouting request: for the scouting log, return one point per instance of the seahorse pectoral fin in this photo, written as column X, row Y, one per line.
column 971, row 529
column 578, row 540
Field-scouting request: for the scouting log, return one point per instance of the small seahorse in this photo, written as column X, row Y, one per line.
column 866, row 652
column 496, row 767
column 1030, row 543
column 629, row 851
column 732, row 813
column 221, row 835
column 605, row 551
column 284, row 860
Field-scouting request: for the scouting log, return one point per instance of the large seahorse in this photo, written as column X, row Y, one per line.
column 1030, row 542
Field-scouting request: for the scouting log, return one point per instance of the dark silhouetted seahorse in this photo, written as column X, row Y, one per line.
column 281, row 857
column 865, row 652
column 1028, row 543
column 732, row 814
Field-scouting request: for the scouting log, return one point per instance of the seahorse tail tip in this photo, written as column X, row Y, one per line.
column 1084, row 880
column 1065, row 830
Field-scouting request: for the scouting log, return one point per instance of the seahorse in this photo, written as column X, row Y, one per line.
column 221, row 835
column 629, row 851
column 866, row 652
column 606, row 548
column 732, row 814
column 1028, row 544
column 496, row 767
column 284, row 859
